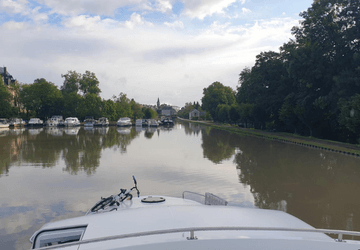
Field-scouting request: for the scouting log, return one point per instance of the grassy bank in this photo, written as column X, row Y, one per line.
column 315, row 143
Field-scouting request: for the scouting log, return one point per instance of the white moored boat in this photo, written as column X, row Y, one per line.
column 102, row 122
column 160, row 222
column 152, row 123
column 72, row 122
column 4, row 123
column 89, row 121
column 54, row 121
column 35, row 122
column 124, row 122
column 16, row 122
column 138, row 122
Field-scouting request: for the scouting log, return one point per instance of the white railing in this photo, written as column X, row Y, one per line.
column 192, row 231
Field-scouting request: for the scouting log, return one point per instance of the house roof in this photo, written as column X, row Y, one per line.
column 167, row 108
column 2, row 71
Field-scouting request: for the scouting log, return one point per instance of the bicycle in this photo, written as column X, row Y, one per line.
column 115, row 199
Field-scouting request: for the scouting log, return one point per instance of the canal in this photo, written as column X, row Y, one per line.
column 58, row 173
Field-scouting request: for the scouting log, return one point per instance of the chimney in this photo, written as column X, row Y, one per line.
column 5, row 71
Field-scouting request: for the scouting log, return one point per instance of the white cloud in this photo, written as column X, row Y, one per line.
column 103, row 7
column 82, row 21
column 202, row 8
column 12, row 25
column 176, row 24
column 136, row 20
column 164, row 6
column 15, row 7
column 245, row 10
column 38, row 17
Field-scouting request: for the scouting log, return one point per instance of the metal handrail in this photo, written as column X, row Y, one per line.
column 340, row 233
column 183, row 194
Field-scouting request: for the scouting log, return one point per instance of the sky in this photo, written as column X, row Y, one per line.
column 147, row 49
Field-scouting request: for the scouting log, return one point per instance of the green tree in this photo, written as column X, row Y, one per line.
column 123, row 106
column 350, row 116
column 136, row 109
column 71, row 82
column 109, row 110
column 5, row 98
column 234, row 112
column 184, row 113
column 89, row 84
column 149, row 113
column 74, row 82
column 223, row 112
column 92, row 104
column 42, row 98
column 265, row 86
column 215, row 95
column 72, row 105
column 246, row 113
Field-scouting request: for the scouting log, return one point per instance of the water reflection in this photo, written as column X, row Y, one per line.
column 317, row 186
column 35, row 131
column 11, row 141
column 79, row 148
column 149, row 132
column 72, row 130
column 125, row 130
column 65, row 173
column 54, row 131
column 217, row 145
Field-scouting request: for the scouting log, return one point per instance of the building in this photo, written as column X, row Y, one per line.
column 168, row 111
column 7, row 78
column 196, row 113
column 158, row 103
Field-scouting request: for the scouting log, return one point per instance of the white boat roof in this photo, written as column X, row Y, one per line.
column 137, row 217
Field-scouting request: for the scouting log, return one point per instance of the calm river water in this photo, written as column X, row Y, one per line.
column 52, row 174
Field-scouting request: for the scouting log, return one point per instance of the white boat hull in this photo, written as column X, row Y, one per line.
column 184, row 224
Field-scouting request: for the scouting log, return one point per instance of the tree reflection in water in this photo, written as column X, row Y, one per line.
column 79, row 148
column 316, row 186
column 9, row 149
column 217, row 145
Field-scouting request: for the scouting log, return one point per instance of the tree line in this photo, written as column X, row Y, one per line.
column 310, row 87
column 79, row 96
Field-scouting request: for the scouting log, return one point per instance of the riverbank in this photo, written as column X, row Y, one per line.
column 334, row 146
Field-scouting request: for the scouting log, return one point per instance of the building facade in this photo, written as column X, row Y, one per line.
column 196, row 113
column 6, row 77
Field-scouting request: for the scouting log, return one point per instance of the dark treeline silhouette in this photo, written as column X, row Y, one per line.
column 310, row 87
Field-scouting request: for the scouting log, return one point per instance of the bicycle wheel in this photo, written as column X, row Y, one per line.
column 101, row 204
column 126, row 197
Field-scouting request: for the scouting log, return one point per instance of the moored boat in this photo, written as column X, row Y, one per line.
column 168, row 122
column 16, row 122
column 89, row 121
column 160, row 222
column 139, row 123
column 4, row 123
column 152, row 123
column 54, row 121
column 124, row 122
column 35, row 122
column 72, row 122
column 102, row 122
